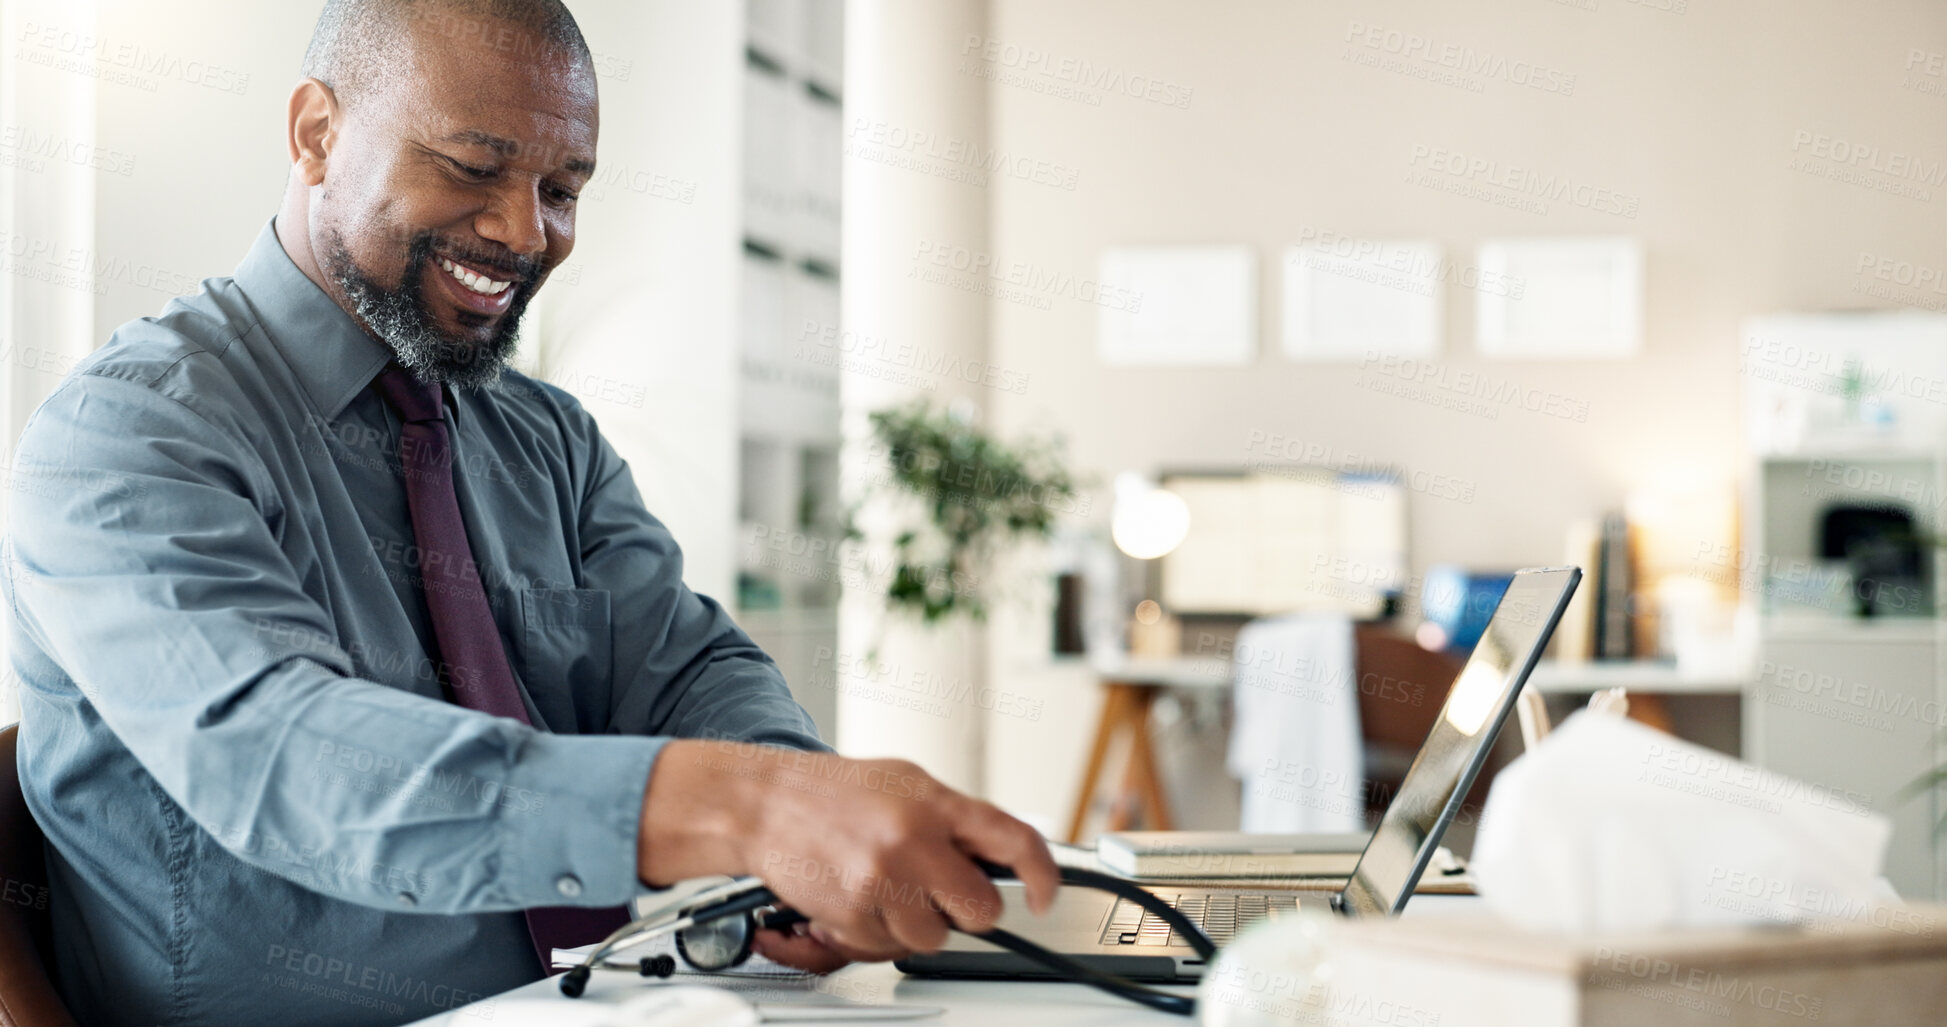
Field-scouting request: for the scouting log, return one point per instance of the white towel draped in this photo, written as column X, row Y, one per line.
column 1295, row 742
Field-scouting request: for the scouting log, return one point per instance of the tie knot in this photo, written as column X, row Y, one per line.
column 415, row 401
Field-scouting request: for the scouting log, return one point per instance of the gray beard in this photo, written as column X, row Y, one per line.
column 401, row 320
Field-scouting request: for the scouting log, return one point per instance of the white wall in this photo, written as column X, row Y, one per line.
column 48, row 152
column 47, row 210
column 1693, row 113
column 204, row 138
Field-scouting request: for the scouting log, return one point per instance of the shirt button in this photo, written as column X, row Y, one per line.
column 568, row 885
column 406, row 898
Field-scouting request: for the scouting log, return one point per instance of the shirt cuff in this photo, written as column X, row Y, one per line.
column 571, row 812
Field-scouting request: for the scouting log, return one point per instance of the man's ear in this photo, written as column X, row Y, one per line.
column 313, row 129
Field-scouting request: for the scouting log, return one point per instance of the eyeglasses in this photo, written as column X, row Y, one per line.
column 714, row 930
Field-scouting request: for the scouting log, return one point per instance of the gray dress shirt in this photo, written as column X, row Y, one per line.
column 260, row 808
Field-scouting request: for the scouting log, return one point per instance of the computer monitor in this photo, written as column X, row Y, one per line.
column 1287, row 539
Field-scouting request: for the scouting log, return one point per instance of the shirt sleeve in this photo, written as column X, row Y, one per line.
column 144, row 559
column 683, row 668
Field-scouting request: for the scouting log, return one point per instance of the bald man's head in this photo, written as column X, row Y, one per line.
column 439, row 148
column 439, row 151
column 358, row 44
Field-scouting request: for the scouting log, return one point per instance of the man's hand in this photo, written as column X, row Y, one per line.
column 876, row 853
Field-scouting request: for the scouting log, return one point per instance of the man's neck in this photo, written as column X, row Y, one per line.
column 290, row 225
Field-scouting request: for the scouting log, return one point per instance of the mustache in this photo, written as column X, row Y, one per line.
column 504, row 264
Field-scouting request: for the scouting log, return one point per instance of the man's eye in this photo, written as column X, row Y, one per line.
column 562, row 196
column 472, row 172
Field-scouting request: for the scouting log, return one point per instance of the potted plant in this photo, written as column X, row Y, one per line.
column 955, row 498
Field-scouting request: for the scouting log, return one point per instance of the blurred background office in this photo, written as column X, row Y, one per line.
column 1180, row 321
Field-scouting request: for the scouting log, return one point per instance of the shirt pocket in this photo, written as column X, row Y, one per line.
column 567, row 655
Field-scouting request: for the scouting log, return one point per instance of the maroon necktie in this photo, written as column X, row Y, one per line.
column 478, row 676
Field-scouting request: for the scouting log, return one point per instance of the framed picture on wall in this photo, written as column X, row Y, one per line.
column 1562, row 299
column 1178, row 306
column 1345, row 298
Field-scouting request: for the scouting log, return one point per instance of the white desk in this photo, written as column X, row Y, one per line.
column 966, row 1003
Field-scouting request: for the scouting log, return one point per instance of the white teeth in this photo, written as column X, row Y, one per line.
column 478, row 283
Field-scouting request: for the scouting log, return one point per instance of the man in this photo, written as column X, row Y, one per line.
column 355, row 674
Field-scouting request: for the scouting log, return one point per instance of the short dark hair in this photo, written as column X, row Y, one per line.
column 359, row 42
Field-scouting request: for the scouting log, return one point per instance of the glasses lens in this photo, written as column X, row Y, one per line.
column 717, row 945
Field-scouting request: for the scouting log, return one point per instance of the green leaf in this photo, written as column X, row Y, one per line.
column 979, row 496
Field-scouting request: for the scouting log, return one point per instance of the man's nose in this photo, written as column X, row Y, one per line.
column 514, row 220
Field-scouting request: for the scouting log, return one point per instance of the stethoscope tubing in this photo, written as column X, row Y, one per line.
column 575, row 981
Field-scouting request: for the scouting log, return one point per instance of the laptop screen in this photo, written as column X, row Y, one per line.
column 1456, row 748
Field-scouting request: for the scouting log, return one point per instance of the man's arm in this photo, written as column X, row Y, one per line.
column 876, row 852
column 143, row 560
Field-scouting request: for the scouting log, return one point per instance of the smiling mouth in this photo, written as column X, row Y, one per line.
column 474, row 280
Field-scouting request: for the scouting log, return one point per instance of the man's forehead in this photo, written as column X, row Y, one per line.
column 540, row 109
column 540, row 65
column 480, row 35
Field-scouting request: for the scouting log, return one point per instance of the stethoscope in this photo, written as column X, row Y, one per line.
column 715, row 927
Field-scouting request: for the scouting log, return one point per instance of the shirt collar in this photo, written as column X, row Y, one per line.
column 333, row 357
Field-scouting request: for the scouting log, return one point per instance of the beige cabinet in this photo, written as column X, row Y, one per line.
column 1854, row 710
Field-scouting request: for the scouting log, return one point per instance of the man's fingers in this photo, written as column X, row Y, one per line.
column 817, row 950
column 837, row 900
column 913, row 916
column 985, row 831
column 855, row 949
column 864, row 938
column 801, row 951
column 936, row 885
column 957, row 888
column 917, row 927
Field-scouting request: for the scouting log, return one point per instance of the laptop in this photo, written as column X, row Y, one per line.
column 1118, row 936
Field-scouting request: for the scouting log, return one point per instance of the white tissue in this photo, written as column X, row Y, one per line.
column 1609, row 825
column 1277, row 973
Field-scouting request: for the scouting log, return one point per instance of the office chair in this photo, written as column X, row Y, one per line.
column 1401, row 687
column 27, row 996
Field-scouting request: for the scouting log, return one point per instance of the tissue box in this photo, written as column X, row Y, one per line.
column 1887, row 965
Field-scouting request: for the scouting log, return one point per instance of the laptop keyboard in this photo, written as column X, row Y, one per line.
column 1220, row 916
